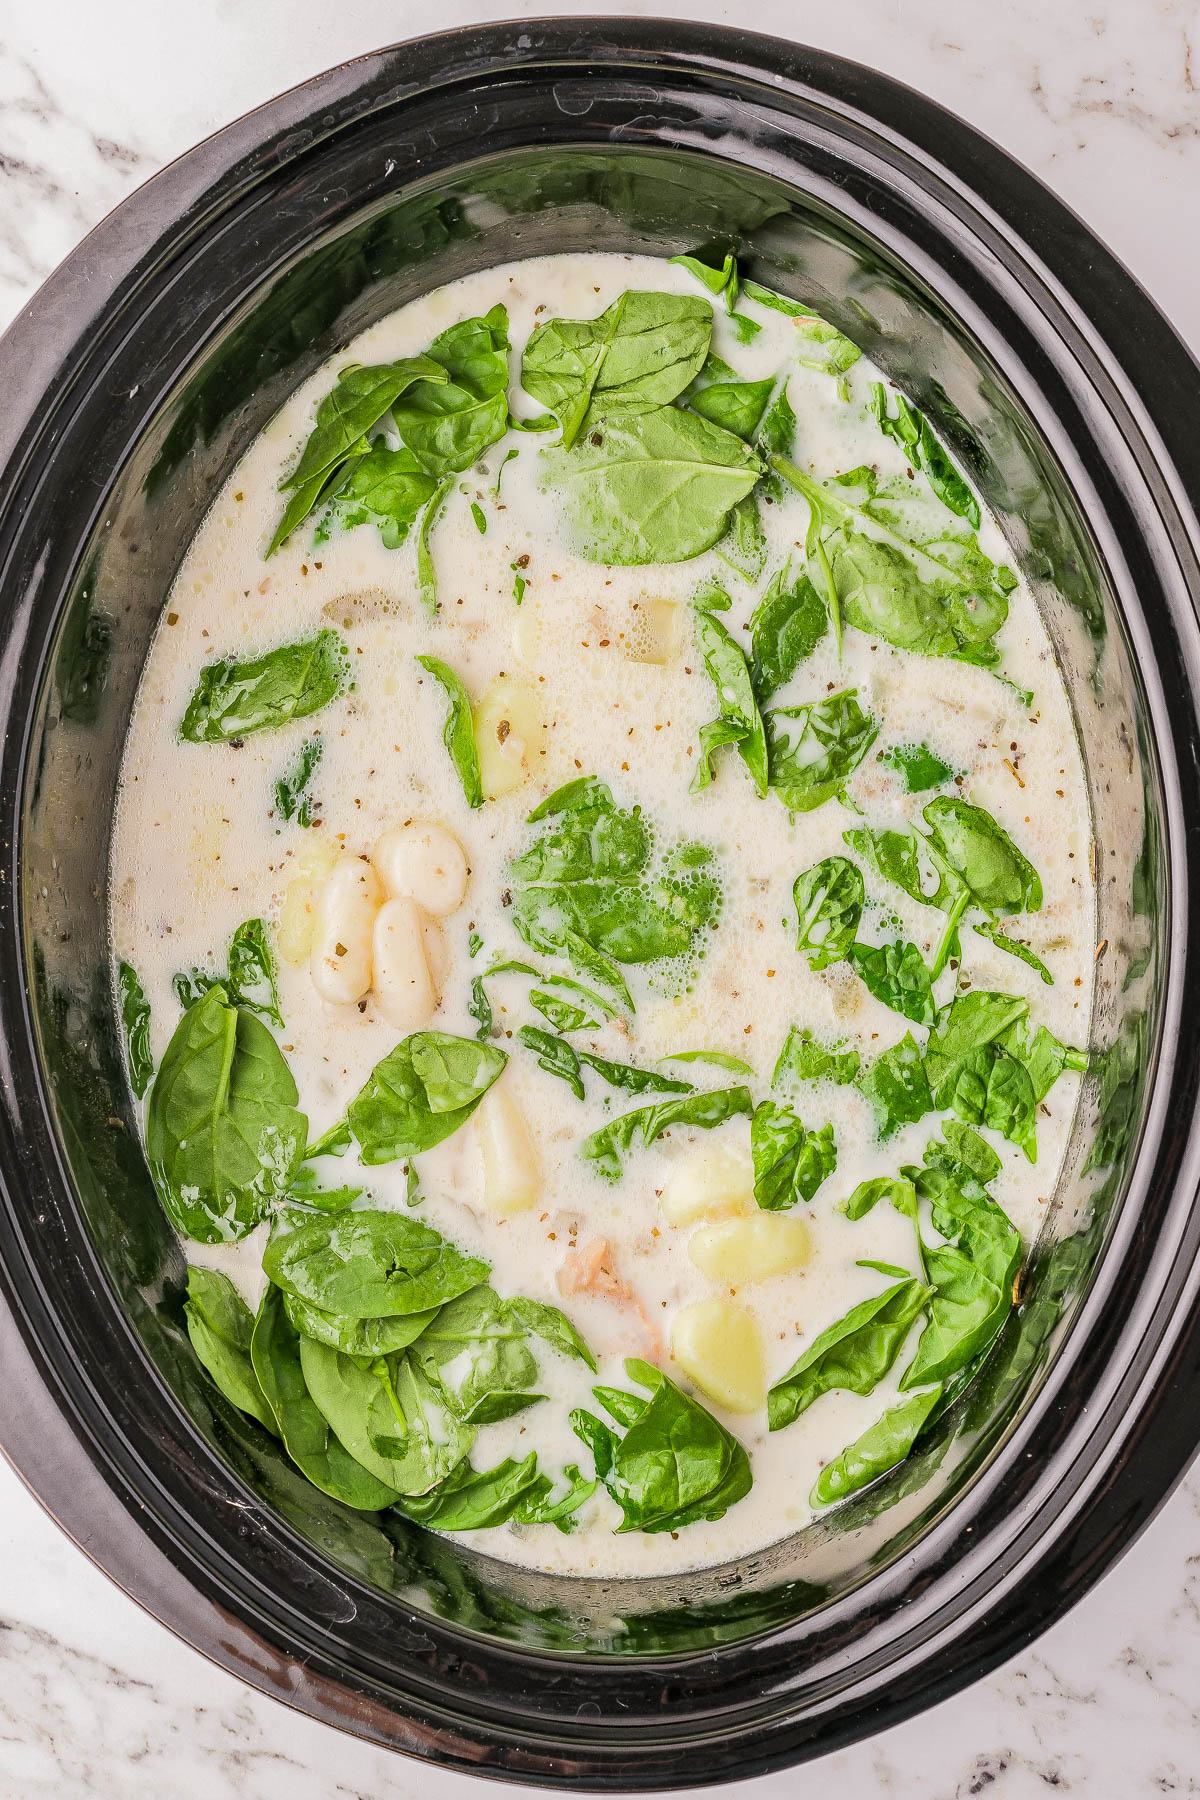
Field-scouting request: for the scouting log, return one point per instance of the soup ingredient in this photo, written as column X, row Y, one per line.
column 880, row 1448
column 920, row 767
column 895, row 974
column 719, row 1347
column 471, row 1500
column 341, row 959
column 829, row 901
column 223, row 1133
column 740, row 722
column 220, row 1326
column 854, row 1353
column 634, row 1081
column 135, row 1015
column 722, row 282
column 507, row 727
column 787, row 625
column 804, row 1059
column 554, row 1055
column 422, row 862
column 233, row 699
column 674, row 1462
column 250, row 979
column 459, row 731
column 426, row 569
column 790, row 1161
column 511, row 1181
column 369, row 1264
column 738, row 1251
column 403, row 985
column 420, row 1093
column 814, row 749
column 709, row 1183
column 449, row 424
column 897, row 1087
column 606, row 1146
column 912, row 431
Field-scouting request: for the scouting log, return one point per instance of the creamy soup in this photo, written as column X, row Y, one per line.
column 644, row 863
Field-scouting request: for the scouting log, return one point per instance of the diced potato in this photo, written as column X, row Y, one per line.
column 404, row 990
column 511, row 1179
column 508, row 733
column 340, row 959
column 717, row 1345
column 710, row 1183
column 422, row 862
column 741, row 1250
column 652, row 633
column 296, row 917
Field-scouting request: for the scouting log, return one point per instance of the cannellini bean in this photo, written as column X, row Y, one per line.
column 711, row 1183
column 738, row 1251
column 422, row 862
column 508, row 734
column 300, row 900
column 651, row 633
column 436, row 953
column 343, row 921
column 404, row 989
column 717, row 1345
column 511, row 1179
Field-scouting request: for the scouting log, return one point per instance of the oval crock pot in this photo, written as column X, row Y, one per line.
column 131, row 384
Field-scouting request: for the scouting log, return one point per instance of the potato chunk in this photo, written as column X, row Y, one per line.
column 511, row 1179
column 717, row 1345
column 652, row 633
column 710, row 1183
column 299, row 901
column 508, row 734
column 741, row 1250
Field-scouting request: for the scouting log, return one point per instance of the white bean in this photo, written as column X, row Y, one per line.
column 343, row 918
column 511, row 1180
column 436, row 953
column 404, row 990
column 422, row 862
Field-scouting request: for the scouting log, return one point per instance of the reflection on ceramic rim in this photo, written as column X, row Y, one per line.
column 131, row 383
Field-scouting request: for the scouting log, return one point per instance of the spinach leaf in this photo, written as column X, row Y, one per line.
column 744, row 543
column 459, row 731
column 135, row 1016
column 291, row 799
column 652, row 488
column 854, row 1354
column 999, row 878
column 820, row 345
column 905, row 857
column 897, row 1086
column 675, row 1463
column 359, row 1405
column 919, row 765
column 275, row 1350
column 829, row 902
column 420, row 1093
column 368, row 1265
column 972, row 1068
column 584, row 888
column 970, row 1022
column 424, row 1440
column 387, row 488
column 938, row 598
column 426, row 572
column 476, row 1351
column 1041, row 1055
column 720, row 1059
column 740, row 721
column 1016, row 948
column 896, row 1188
column 220, row 1324
column 552, row 1326
column 879, row 1449
column 814, row 749
column 804, row 1059
column 786, row 627
column 449, row 424
column 967, row 1148
column 362, row 1338
column 896, row 974
column 233, row 699
column 641, row 353
column 790, row 1162
column 639, row 1081
column 223, row 1134
column 722, row 283
column 250, row 981
column 912, row 431
column 472, row 1500
column 604, row 1147
column 561, row 1014
column 480, row 1007
column 554, row 1055
column 736, row 406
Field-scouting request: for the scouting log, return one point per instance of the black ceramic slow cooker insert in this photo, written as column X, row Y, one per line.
column 131, row 384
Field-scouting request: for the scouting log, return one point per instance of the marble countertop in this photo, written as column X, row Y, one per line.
column 1103, row 101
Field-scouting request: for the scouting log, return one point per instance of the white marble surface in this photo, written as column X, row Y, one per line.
column 1102, row 98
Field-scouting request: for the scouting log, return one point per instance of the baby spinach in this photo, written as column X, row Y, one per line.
column 720, row 1059
column 814, row 749
column 458, row 733
column 829, row 901
column 605, row 1146
column 561, row 1014
column 722, row 283
column 554, row 1055
column 638, row 1081
column 292, row 801
column 220, row 1325
column 853, row 1354
column 552, row 1326
column 820, row 345
column 387, row 488
column 655, row 487
column 744, row 543
column 897, row 1087
column 368, row 1265
column 307, row 1437
column 480, row 1007
column 736, row 406
column 641, row 353
column 804, row 1059
column 426, row 571
column 740, row 721
column 135, row 1016
column 233, row 699
column 999, row 878
column 942, row 597
column 912, row 431
column 1016, row 948
column 674, row 1464
column 361, row 1338
column 448, row 424
column 424, row 1439
column 585, row 888
column 223, row 1134
column 921, row 767
column 790, row 1161
column 896, row 1188
column 420, row 1093
column 250, row 981
column 883, row 1445
column 473, row 1500
column 972, row 1071
column 905, row 858
column 896, row 974
column 476, row 1351
column 786, row 627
